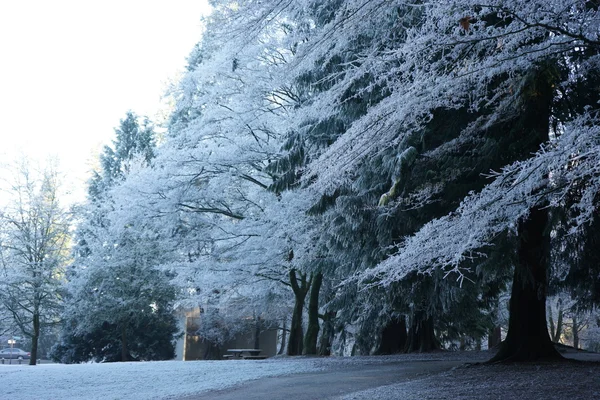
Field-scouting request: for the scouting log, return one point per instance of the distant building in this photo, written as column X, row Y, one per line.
column 193, row 347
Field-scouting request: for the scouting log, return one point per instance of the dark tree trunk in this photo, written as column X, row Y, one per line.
column 212, row 351
column 327, row 334
column 494, row 337
column 312, row 330
column 421, row 336
column 124, row 352
column 559, row 326
column 257, row 333
column 35, row 338
column 556, row 330
column 296, row 339
column 393, row 337
column 551, row 322
column 283, row 337
column 527, row 338
column 576, row 329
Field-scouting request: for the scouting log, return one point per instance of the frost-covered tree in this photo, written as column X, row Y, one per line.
column 413, row 156
column 134, row 143
column 119, row 305
column 472, row 88
column 34, row 250
column 208, row 188
column 518, row 65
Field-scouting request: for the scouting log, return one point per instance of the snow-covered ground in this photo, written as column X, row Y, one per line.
column 543, row 381
column 177, row 379
column 136, row 380
column 167, row 379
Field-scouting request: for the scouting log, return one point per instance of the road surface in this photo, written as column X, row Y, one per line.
column 329, row 384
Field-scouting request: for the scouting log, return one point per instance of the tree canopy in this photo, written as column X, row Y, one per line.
column 376, row 165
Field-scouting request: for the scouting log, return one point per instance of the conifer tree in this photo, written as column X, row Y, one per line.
column 119, row 307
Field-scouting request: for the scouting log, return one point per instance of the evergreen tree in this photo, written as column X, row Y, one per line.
column 427, row 81
column 120, row 306
column 135, row 142
column 400, row 145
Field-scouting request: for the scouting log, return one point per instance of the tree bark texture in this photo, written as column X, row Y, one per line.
column 527, row 338
column 494, row 337
column 327, row 333
column 283, row 337
column 421, row 336
column 312, row 330
column 35, row 337
column 295, row 343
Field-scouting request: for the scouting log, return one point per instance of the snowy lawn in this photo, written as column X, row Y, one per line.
column 137, row 380
column 177, row 379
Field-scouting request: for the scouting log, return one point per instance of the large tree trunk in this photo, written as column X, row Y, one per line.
column 393, row 337
column 295, row 343
column 527, row 338
column 312, row 330
column 494, row 337
column 576, row 329
column 421, row 336
column 35, row 338
column 327, row 333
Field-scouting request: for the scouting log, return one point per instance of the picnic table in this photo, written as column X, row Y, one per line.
column 239, row 353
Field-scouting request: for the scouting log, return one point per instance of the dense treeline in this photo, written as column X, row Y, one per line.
column 376, row 175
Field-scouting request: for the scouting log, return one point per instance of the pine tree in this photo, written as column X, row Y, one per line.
column 120, row 306
column 135, row 142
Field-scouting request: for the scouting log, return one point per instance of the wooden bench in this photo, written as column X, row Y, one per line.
column 253, row 354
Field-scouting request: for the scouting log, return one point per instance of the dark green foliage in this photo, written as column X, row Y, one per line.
column 133, row 141
column 150, row 336
column 119, row 313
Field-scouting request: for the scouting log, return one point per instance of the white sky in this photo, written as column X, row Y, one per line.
column 70, row 70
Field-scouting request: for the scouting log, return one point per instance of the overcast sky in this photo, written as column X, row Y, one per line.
column 70, row 69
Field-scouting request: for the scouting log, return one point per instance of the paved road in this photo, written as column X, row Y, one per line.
column 328, row 384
